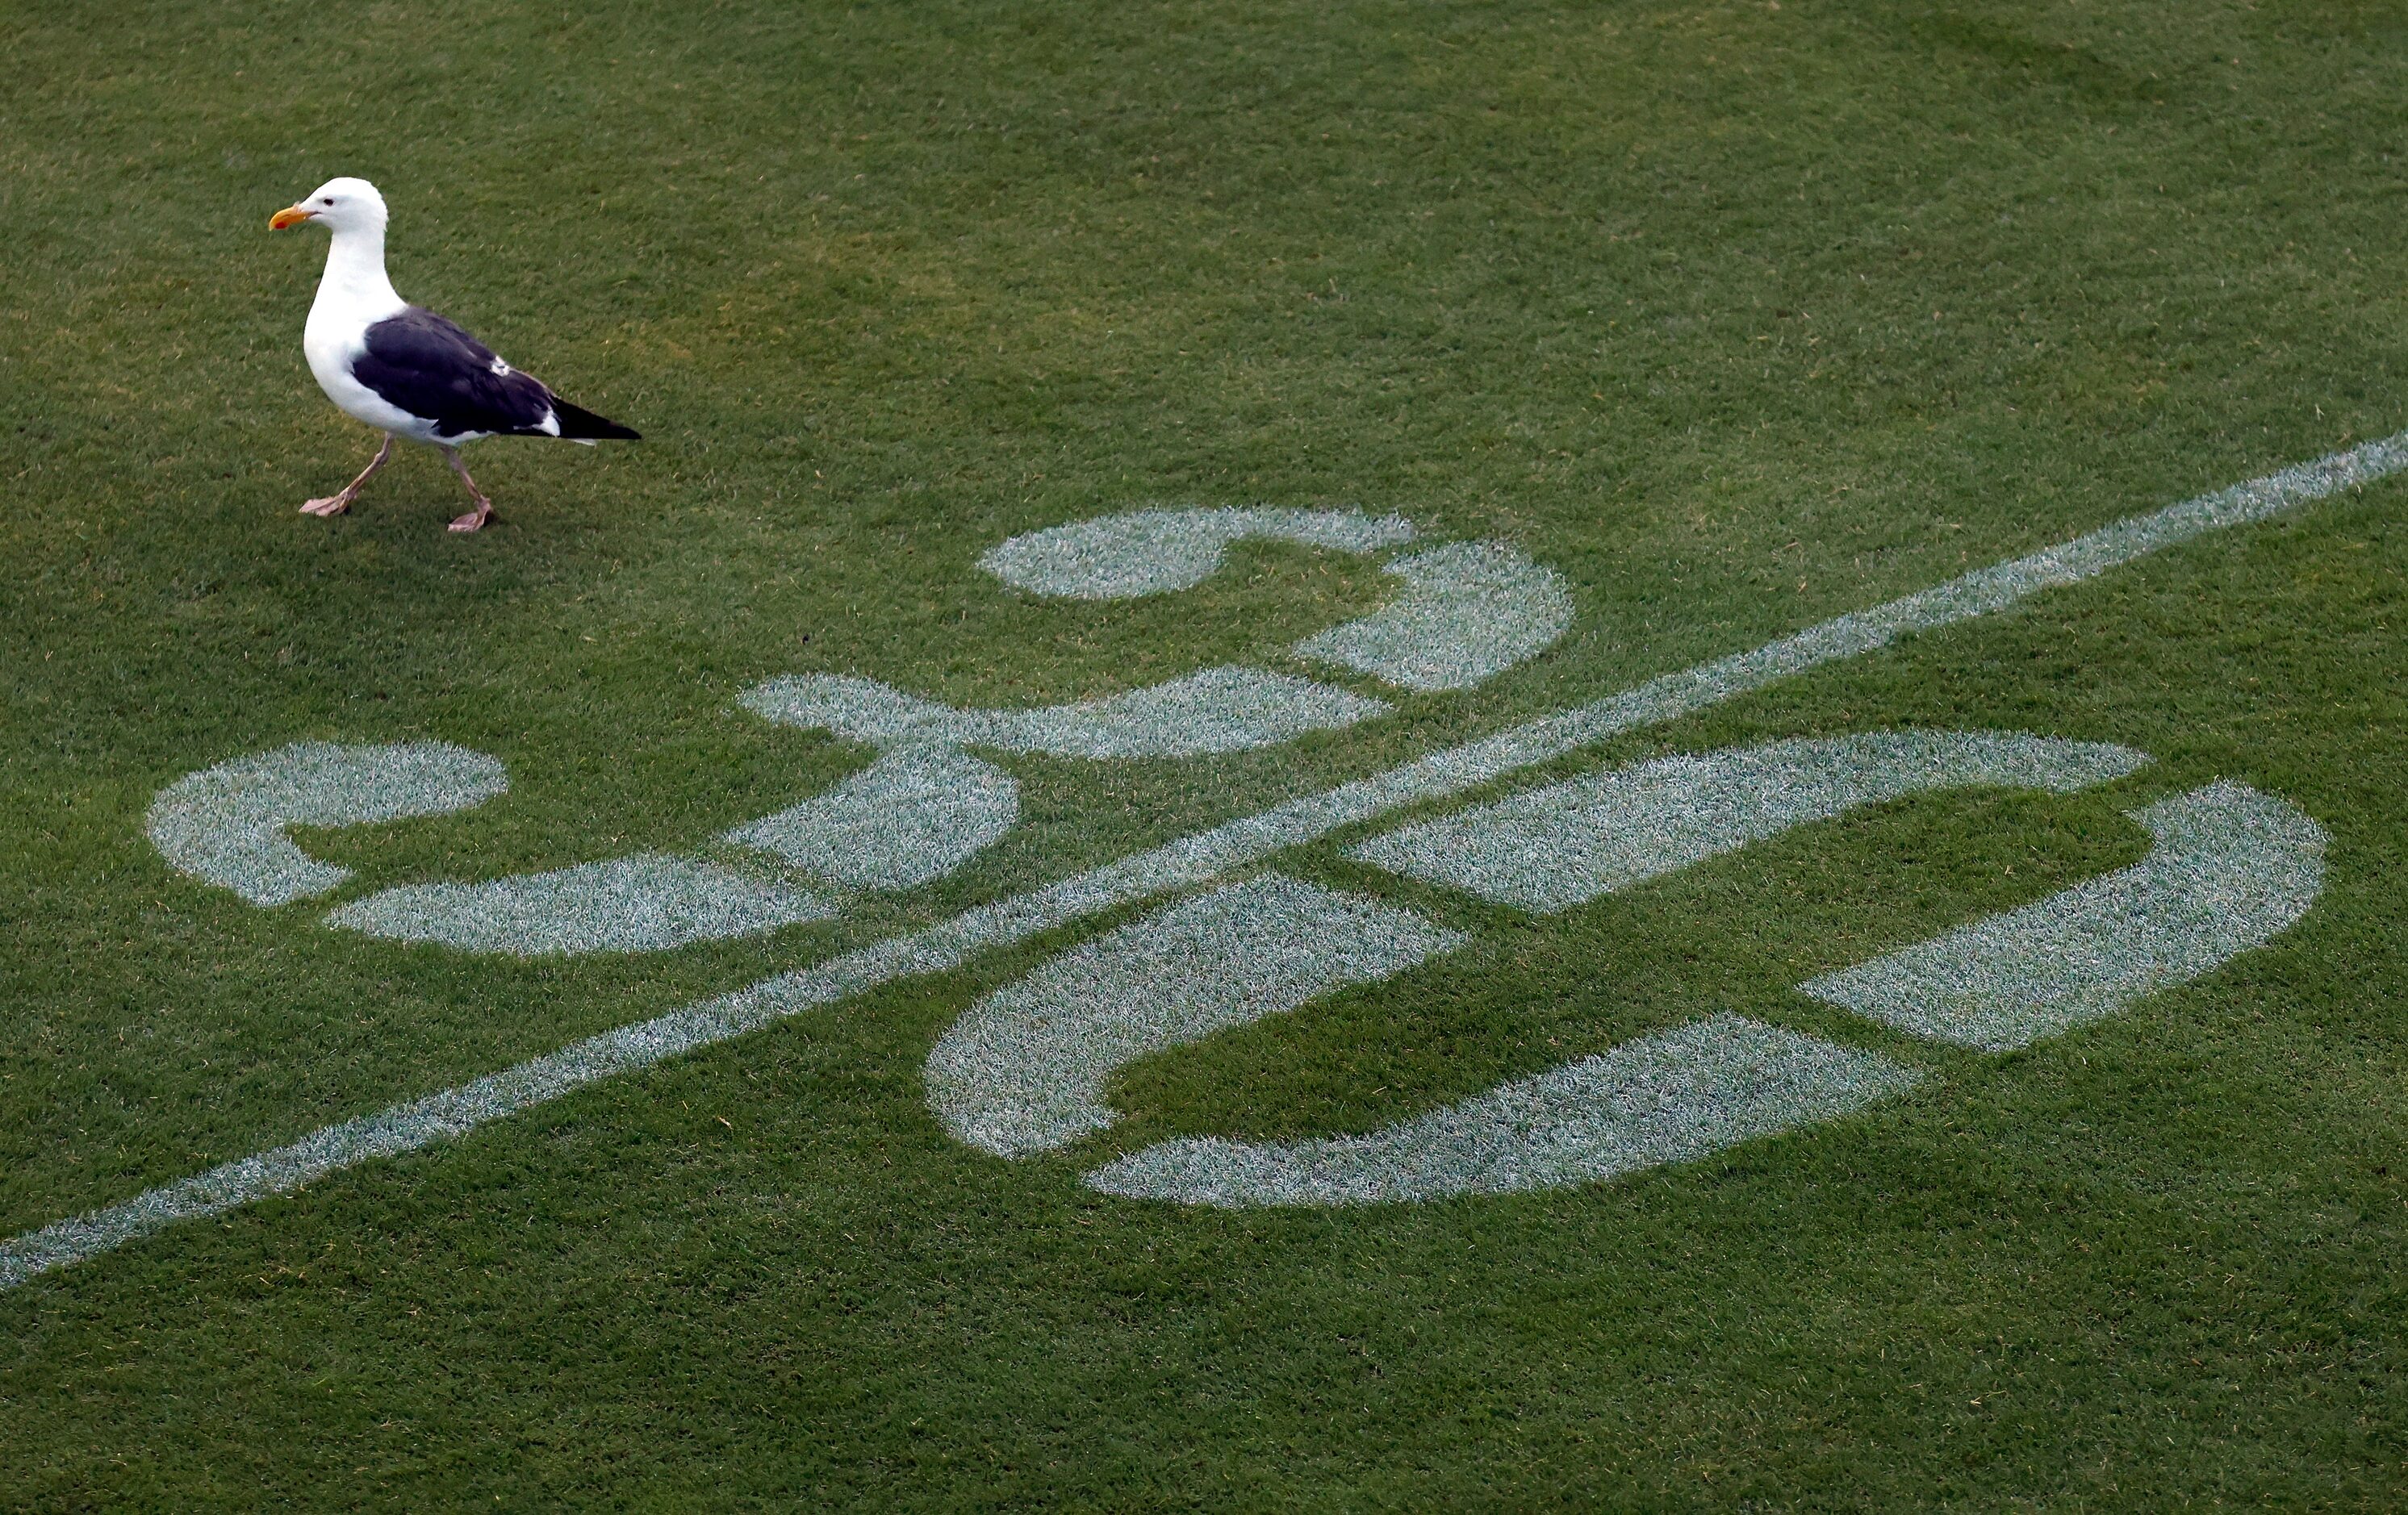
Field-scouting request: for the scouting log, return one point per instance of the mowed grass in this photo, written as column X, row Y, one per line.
column 1738, row 315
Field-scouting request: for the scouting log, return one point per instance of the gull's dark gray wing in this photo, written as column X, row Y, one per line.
column 428, row 366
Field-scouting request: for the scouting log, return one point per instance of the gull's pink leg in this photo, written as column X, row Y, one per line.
column 484, row 510
column 334, row 504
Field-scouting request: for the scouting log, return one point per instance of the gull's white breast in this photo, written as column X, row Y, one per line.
column 333, row 338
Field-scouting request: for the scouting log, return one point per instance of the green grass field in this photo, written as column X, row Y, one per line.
column 1737, row 317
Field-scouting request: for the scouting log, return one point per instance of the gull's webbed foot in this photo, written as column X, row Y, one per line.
column 484, row 510
column 340, row 501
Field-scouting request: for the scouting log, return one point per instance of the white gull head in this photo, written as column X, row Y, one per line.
column 339, row 204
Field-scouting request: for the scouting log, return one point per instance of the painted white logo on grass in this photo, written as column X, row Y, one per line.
column 1025, row 1070
column 925, row 806
column 413, row 1122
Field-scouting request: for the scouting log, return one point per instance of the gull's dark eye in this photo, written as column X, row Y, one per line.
column 325, row 199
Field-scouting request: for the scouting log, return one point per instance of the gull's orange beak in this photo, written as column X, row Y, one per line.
column 289, row 216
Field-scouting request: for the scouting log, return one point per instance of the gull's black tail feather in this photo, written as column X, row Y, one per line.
column 579, row 424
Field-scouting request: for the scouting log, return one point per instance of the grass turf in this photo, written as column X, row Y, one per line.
column 1739, row 315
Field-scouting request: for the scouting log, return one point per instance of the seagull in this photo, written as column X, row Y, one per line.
column 405, row 370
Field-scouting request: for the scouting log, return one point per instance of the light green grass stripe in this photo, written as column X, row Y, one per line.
column 1191, row 860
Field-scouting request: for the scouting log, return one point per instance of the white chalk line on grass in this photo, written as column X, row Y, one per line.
column 1191, row 860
